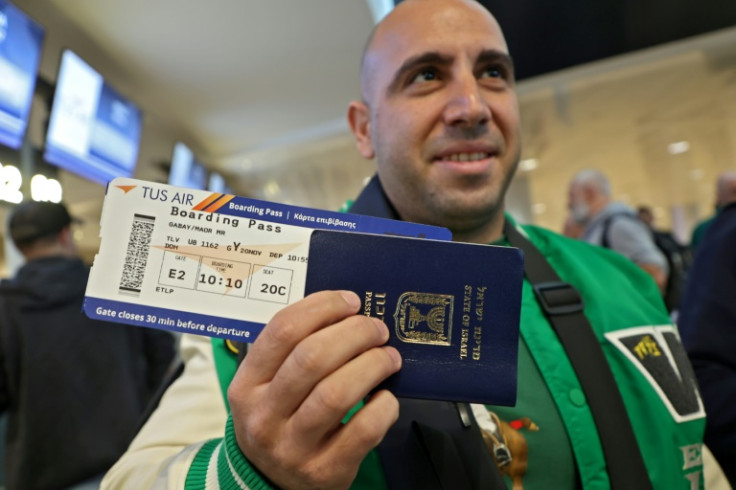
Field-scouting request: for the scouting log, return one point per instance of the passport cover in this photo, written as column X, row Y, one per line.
column 452, row 309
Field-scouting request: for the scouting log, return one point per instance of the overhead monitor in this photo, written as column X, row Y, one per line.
column 93, row 130
column 186, row 171
column 20, row 52
column 217, row 183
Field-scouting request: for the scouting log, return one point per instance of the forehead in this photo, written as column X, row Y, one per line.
column 448, row 27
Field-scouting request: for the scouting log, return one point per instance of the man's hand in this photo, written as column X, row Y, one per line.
column 314, row 361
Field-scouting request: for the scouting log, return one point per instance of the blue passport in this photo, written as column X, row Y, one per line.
column 452, row 309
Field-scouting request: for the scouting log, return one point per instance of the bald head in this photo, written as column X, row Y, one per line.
column 726, row 188
column 406, row 17
column 440, row 115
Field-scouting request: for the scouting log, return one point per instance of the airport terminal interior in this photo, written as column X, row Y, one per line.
column 258, row 96
column 249, row 98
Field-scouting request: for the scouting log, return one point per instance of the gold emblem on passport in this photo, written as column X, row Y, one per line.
column 424, row 318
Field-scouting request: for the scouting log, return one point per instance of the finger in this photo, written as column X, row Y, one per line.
column 291, row 325
column 329, row 402
column 364, row 431
column 319, row 355
column 336, row 462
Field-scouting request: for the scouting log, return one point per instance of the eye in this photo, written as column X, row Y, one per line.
column 493, row 71
column 425, row 75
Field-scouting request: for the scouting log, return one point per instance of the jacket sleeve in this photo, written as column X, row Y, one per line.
column 188, row 440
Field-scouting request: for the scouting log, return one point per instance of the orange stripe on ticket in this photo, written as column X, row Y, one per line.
column 207, row 201
column 220, row 203
column 126, row 188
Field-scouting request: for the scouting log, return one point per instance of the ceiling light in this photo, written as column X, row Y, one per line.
column 528, row 164
column 10, row 183
column 43, row 189
column 678, row 147
column 271, row 188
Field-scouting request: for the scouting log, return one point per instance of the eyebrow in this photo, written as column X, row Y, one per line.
column 438, row 59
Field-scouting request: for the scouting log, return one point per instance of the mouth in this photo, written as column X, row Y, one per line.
column 465, row 151
column 465, row 156
column 467, row 161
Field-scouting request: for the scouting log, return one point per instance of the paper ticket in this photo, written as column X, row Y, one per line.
column 213, row 264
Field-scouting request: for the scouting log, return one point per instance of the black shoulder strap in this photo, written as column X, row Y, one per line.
column 605, row 242
column 563, row 307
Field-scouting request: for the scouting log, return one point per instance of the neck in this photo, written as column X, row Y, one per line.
column 41, row 252
column 373, row 201
column 487, row 232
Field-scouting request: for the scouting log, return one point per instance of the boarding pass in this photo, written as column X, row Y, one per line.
column 220, row 265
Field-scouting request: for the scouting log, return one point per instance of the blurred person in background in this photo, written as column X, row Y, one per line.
column 679, row 259
column 707, row 324
column 725, row 194
column 614, row 225
column 74, row 388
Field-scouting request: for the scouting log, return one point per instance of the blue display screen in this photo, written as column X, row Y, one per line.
column 93, row 130
column 186, row 171
column 20, row 52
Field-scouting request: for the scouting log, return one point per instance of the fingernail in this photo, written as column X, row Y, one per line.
column 394, row 355
column 381, row 327
column 351, row 298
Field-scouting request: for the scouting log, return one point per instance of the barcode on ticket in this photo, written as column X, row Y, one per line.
column 136, row 255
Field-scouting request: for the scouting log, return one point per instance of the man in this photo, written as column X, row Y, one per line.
column 440, row 116
column 74, row 388
column 707, row 325
column 613, row 224
column 725, row 194
column 679, row 259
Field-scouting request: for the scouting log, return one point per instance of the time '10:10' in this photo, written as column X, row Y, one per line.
column 227, row 282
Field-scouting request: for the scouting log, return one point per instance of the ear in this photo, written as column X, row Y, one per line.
column 65, row 236
column 66, row 239
column 359, row 119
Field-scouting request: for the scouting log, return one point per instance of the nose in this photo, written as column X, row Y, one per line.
column 466, row 106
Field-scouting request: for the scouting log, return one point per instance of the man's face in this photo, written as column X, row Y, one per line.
column 444, row 119
column 577, row 204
